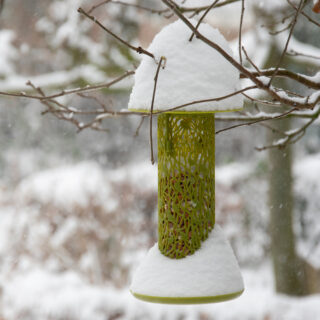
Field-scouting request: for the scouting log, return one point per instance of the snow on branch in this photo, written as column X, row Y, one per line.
column 87, row 88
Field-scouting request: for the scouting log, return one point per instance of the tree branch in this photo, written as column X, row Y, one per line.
column 293, row 23
column 206, row 100
column 152, row 104
column 304, row 14
column 284, row 100
column 240, row 31
column 127, row 4
column 292, row 136
column 289, row 74
column 203, row 8
column 71, row 91
column 203, row 16
column 137, row 49
column 255, row 121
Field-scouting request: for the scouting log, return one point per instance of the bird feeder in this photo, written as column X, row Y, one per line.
column 192, row 261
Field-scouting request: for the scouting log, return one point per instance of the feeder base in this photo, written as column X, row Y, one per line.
column 188, row 300
column 211, row 274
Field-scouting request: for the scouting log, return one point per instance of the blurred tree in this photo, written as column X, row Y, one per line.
column 290, row 271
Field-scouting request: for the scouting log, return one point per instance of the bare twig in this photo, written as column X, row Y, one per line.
column 292, row 136
column 203, row 16
column 277, row 98
column 251, row 117
column 265, row 102
column 295, row 53
column 92, row 88
column 240, row 31
column 139, row 126
column 71, row 91
column 293, row 23
column 289, row 74
column 98, row 5
column 265, row 125
column 100, row 103
column 67, row 113
column 250, row 61
column 60, row 114
column 270, row 25
column 255, row 121
column 127, row 4
column 261, row 85
column 203, row 8
column 137, row 49
column 304, row 14
column 152, row 104
column 274, row 33
column 207, row 100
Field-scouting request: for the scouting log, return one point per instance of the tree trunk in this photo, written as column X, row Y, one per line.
column 289, row 271
column 288, row 268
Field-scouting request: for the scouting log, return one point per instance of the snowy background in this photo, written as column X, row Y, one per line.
column 78, row 211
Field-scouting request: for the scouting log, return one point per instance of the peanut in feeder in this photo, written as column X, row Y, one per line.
column 192, row 261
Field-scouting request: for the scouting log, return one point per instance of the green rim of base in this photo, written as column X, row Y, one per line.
column 156, row 112
column 187, row 300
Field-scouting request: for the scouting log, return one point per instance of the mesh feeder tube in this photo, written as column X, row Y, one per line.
column 185, row 182
column 192, row 261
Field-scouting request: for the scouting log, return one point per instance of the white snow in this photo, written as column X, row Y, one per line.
column 193, row 71
column 43, row 295
column 33, row 289
column 53, row 79
column 307, row 187
column 212, row 270
column 313, row 97
column 69, row 186
column 315, row 77
column 299, row 47
column 194, row 3
column 257, row 42
column 40, row 295
column 271, row 6
column 5, row 225
column 82, row 184
column 228, row 174
column 8, row 53
column 225, row 18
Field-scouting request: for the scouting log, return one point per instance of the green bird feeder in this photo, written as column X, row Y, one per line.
column 192, row 261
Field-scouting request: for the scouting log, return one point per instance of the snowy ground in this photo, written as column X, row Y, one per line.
column 71, row 236
column 40, row 294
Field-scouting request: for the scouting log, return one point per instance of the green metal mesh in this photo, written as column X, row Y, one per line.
column 185, row 182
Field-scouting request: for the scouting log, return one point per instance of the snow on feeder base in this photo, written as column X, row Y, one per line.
column 211, row 274
column 192, row 261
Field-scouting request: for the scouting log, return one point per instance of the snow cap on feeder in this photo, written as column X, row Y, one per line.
column 193, row 71
column 192, row 261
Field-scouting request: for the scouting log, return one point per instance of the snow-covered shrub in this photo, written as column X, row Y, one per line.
column 80, row 218
column 8, row 53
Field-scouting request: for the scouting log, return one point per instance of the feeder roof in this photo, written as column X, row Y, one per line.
column 193, row 71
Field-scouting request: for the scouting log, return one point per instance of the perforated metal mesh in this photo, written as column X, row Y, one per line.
column 185, row 182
